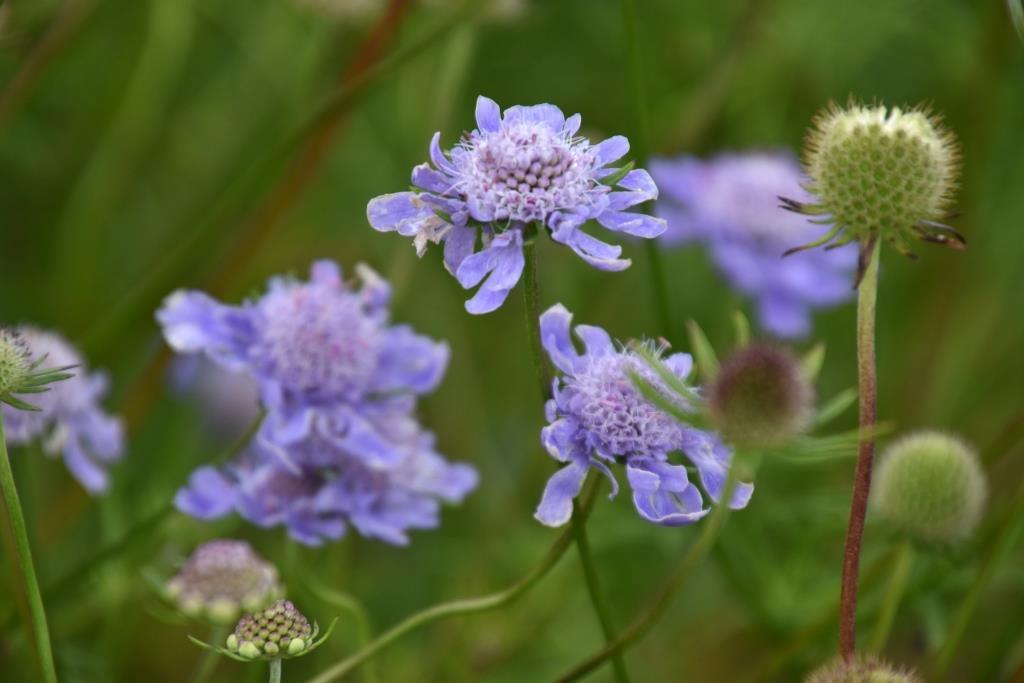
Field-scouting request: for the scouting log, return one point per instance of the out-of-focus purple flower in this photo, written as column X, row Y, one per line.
column 524, row 166
column 70, row 420
column 229, row 399
column 319, row 487
column 319, row 350
column 597, row 418
column 730, row 203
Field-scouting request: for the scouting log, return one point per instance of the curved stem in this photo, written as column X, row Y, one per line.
column 40, row 632
column 867, row 386
column 275, row 671
column 459, row 607
column 643, row 623
column 579, row 528
column 349, row 603
column 893, row 595
column 988, row 567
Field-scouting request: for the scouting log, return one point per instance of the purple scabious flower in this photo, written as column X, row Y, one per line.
column 598, row 418
column 319, row 488
column 524, row 166
column 730, row 204
column 321, row 351
column 229, row 400
column 70, row 421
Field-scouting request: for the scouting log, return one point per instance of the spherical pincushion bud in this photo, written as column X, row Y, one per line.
column 930, row 485
column 279, row 630
column 221, row 579
column 15, row 360
column 879, row 172
column 864, row 671
column 760, row 398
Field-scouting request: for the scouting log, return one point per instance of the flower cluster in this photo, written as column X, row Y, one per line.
column 597, row 418
column 339, row 445
column 279, row 630
column 522, row 168
column 68, row 418
column 221, row 578
column 730, row 204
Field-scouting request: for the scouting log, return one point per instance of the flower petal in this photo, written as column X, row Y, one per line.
column 488, row 114
column 712, row 457
column 555, row 508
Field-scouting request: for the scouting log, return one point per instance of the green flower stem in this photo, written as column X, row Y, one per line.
column 531, row 301
column 463, row 606
column 642, row 149
column 867, row 387
column 40, row 632
column 210, row 658
column 579, row 528
column 275, row 671
column 996, row 551
column 893, row 595
column 531, row 295
column 643, row 623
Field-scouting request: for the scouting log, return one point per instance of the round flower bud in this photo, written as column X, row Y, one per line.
column 865, row 671
column 760, row 397
column 221, row 579
column 15, row 362
column 279, row 629
column 930, row 485
column 883, row 172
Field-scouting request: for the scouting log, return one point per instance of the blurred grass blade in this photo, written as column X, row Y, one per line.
column 813, row 361
column 703, row 352
column 742, row 329
column 1016, row 8
column 835, row 406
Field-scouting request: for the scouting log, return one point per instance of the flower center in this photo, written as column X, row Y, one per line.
column 613, row 411
column 320, row 341
column 524, row 172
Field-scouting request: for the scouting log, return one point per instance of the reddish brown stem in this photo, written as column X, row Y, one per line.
column 868, row 390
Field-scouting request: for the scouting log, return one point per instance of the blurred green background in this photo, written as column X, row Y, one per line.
column 147, row 145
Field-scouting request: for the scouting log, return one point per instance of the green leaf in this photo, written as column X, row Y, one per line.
column 703, row 352
column 836, row 406
column 812, row 361
column 612, row 179
column 742, row 327
column 20, row 405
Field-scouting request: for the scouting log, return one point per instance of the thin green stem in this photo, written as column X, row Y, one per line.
column 40, row 632
column 594, row 588
column 893, row 595
column 459, row 607
column 355, row 609
column 531, row 296
column 867, row 386
column 531, row 301
column 643, row 623
column 641, row 141
column 210, row 659
column 275, row 671
column 965, row 612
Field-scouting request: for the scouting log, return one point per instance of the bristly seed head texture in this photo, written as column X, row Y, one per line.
column 15, row 360
column 861, row 671
column 930, row 485
column 760, row 398
column 881, row 173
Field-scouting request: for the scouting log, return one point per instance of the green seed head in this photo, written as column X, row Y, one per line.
column 930, row 485
column 760, row 397
column 278, row 629
column 883, row 172
column 867, row 671
column 15, row 360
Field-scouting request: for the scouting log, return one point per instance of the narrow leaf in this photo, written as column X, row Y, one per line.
column 703, row 353
column 812, row 361
column 612, row 179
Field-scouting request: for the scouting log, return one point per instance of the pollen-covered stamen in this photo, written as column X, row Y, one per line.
column 524, row 172
column 319, row 340
column 616, row 413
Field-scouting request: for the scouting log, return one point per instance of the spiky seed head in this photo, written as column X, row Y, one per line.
column 861, row 671
column 881, row 172
column 15, row 360
column 930, row 485
column 279, row 629
column 760, row 397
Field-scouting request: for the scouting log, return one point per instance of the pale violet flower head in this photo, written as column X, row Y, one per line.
column 319, row 487
column 70, row 421
column 321, row 351
column 524, row 166
column 598, row 419
column 730, row 204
